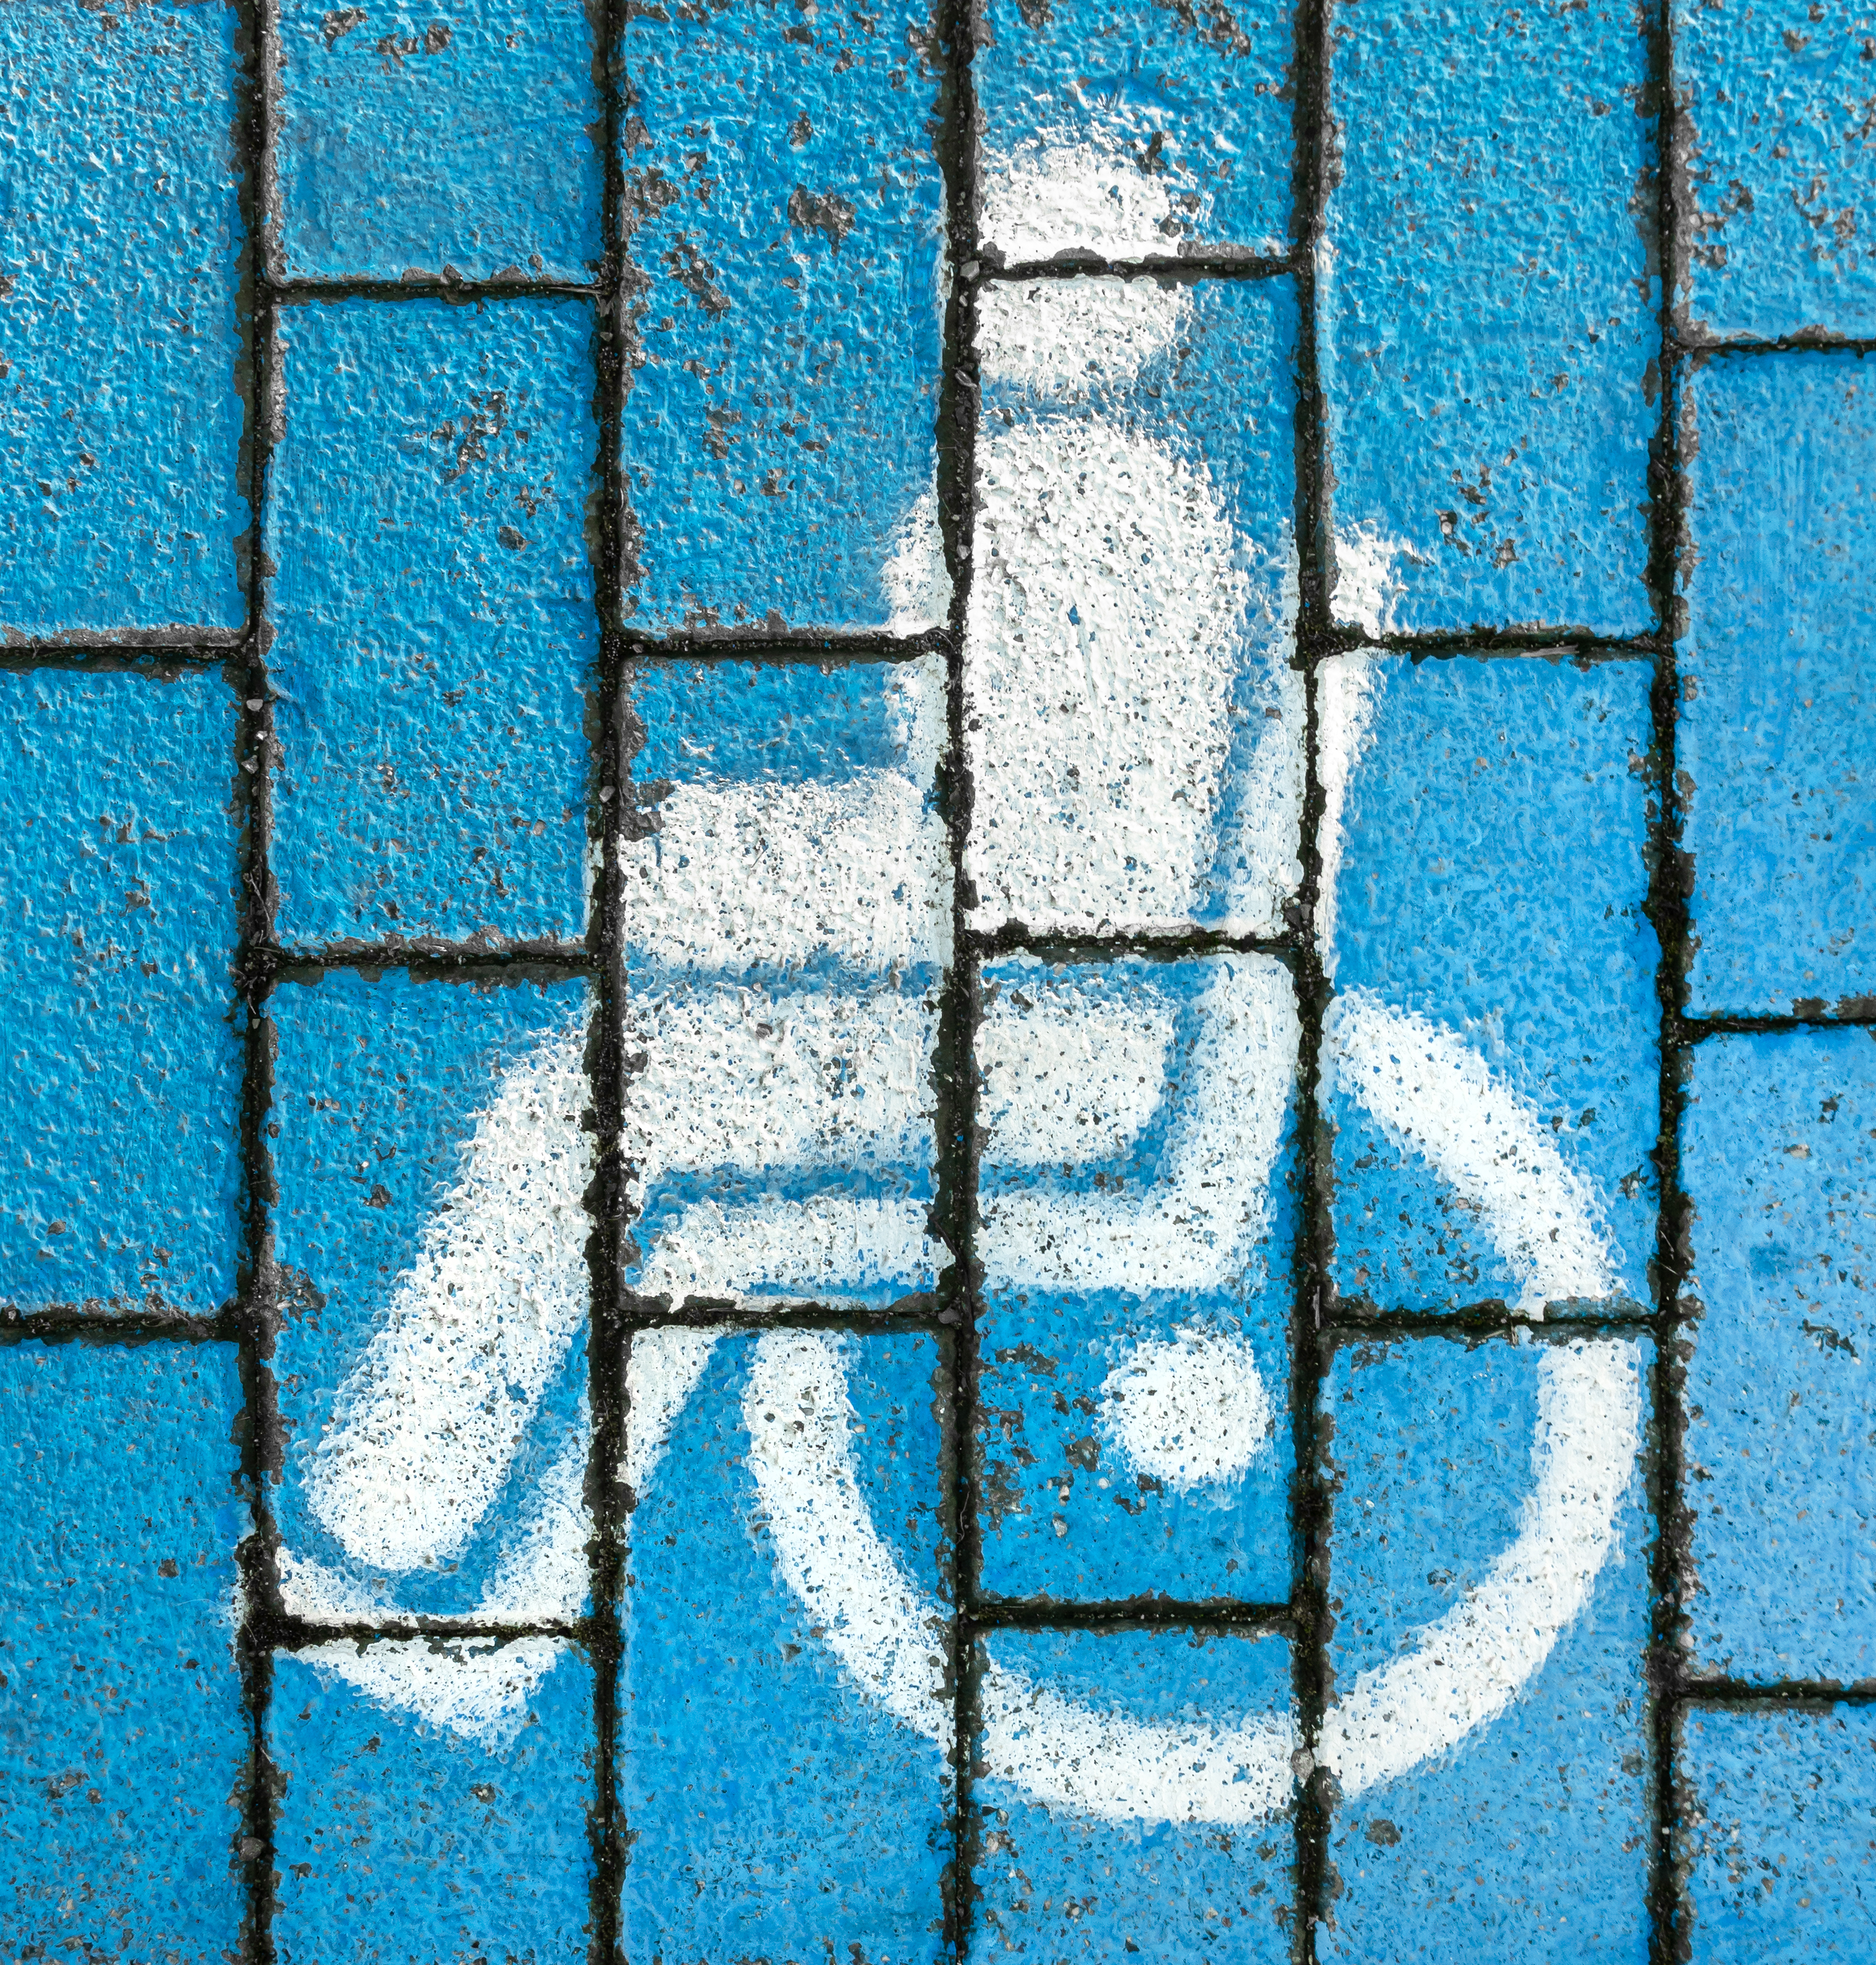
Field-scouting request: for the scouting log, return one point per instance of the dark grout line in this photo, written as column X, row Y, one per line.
column 955, row 1075
column 161, row 661
column 74, row 1323
column 1150, row 944
column 1171, row 269
column 765, row 644
column 425, row 960
column 1859, row 1013
column 921, row 1312
column 461, row 293
column 1218, row 1614
column 1699, row 347
column 1577, row 645
column 1344, row 1326
column 292, row 1633
column 1669, row 889
column 1725, row 1694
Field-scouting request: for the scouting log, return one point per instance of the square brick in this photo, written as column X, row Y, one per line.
column 121, row 367
column 1775, row 751
column 1780, row 172
column 1489, row 329
column 125, row 1745
column 1491, row 1067
column 468, row 144
column 1782, row 1474
column 432, row 1144
column 1137, row 1221
column 434, row 638
column 120, row 1075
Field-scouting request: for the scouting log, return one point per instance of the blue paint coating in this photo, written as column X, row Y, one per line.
column 1529, row 1842
column 1781, row 165
column 123, row 1744
column 1777, row 1157
column 1776, row 752
column 1064, row 1513
column 434, row 639
column 1061, row 1886
column 120, row 414
column 1492, row 881
column 1489, row 327
column 120, row 1075
column 464, row 140
column 1200, row 97
column 396, row 1838
column 784, row 202
column 1778, row 1841
column 775, row 1813
column 378, row 1082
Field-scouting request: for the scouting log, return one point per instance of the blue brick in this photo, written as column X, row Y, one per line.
column 1497, row 976
column 468, row 144
column 431, row 1143
column 1134, row 1430
column 1489, row 327
column 121, row 1078
column 120, row 356
column 784, row 206
column 1133, row 726
column 434, row 636
column 124, row 1748
column 1528, row 1837
column 1065, row 1884
column 1776, row 1838
column 1780, row 172
column 780, row 1807
column 1777, row 1159
column 1775, row 752
column 1186, row 113
column 442, row 1832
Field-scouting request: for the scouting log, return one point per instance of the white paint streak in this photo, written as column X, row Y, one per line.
column 1049, row 196
column 1466, row 1667
column 917, row 587
column 661, row 1372
column 1367, row 589
column 1190, row 1410
column 468, row 1686
column 1067, row 338
column 428, row 1422
column 1483, row 1140
column 1345, row 692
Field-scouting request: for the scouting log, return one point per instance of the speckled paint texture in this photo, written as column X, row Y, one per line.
column 936, row 1023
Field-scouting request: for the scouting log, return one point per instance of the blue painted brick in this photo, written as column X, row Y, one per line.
column 464, row 142
column 1777, row 1838
column 1066, row 1884
column 434, row 636
column 120, row 357
column 1108, row 1081
column 1777, row 1160
column 405, row 1834
column 431, row 1143
column 1489, row 332
column 1775, row 751
column 121, row 1076
column 780, row 1806
column 1781, row 169
column 1184, row 114
column 1528, row 1837
column 784, row 205
column 1484, row 844
column 123, row 1744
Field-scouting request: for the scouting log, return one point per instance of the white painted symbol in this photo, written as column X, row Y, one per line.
column 1112, row 610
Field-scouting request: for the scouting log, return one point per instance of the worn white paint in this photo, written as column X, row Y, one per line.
column 1484, row 1141
column 1188, row 1409
column 1345, row 692
column 661, row 1371
column 1064, row 339
column 471, row 1686
column 1050, row 196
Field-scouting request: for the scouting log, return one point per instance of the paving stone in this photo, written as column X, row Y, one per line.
column 1486, row 1493
column 1489, row 345
column 1775, row 750
column 1138, row 1220
column 786, row 1686
column 434, row 641
column 1778, row 1845
column 123, row 1744
column 1072, row 1884
column 1181, row 115
column 1782, row 1481
column 1132, row 726
column 1490, row 1061
column 1780, row 165
column 433, row 1145
column 457, row 1830
column 466, row 143
column 784, row 207
column 120, row 358
column 120, row 1078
